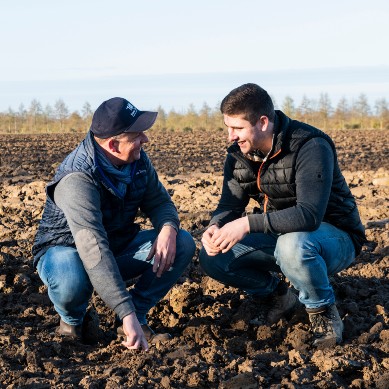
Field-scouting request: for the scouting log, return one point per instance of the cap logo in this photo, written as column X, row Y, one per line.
column 132, row 109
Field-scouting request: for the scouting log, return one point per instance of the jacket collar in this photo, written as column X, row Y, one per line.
column 90, row 147
column 281, row 125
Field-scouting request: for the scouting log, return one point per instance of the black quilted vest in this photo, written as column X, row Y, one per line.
column 275, row 177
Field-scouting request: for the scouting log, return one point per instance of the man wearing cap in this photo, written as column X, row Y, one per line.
column 88, row 239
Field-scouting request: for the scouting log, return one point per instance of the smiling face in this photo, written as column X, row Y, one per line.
column 124, row 148
column 129, row 145
column 249, row 137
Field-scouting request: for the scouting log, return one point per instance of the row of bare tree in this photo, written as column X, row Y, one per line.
column 320, row 113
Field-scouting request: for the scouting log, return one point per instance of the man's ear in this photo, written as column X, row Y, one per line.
column 113, row 145
column 264, row 122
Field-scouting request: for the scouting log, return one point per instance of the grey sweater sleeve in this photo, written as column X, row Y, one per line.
column 78, row 198
column 314, row 174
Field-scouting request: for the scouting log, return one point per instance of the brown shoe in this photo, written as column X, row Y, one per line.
column 282, row 306
column 326, row 325
column 150, row 335
column 87, row 332
column 68, row 331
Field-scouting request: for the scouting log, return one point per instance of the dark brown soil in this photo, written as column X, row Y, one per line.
column 220, row 339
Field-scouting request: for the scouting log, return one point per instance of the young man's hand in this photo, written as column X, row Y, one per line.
column 230, row 234
column 206, row 240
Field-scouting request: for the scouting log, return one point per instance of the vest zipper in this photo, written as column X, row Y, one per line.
column 259, row 180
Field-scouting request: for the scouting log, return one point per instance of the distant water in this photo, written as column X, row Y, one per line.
column 178, row 91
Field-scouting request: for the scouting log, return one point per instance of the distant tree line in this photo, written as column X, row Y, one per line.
column 317, row 112
column 38, row 119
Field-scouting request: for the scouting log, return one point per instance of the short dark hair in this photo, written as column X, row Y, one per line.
column 250, row 100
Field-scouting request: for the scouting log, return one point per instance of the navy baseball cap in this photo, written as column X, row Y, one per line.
column 118, row 115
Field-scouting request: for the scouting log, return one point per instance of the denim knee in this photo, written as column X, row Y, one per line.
column 292, row 249
column 211, row 265
column 74, row 291
column 62, row 271
column 185, row 249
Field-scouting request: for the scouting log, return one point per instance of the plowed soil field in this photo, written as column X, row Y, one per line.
column 219, row 337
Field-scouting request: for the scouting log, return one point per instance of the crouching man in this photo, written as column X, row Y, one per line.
column 307, row 224
column 88, row 239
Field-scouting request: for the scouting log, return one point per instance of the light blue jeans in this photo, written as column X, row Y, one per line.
column 70, row 289
column 305, row 258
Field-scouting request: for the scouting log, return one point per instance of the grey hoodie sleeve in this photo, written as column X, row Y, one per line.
column 78, row 198
column 314, row 175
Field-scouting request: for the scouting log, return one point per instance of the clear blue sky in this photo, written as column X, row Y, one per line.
column 173, row 53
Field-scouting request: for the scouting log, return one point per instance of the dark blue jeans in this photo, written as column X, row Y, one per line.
column 70, row 289
column 305, row 258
